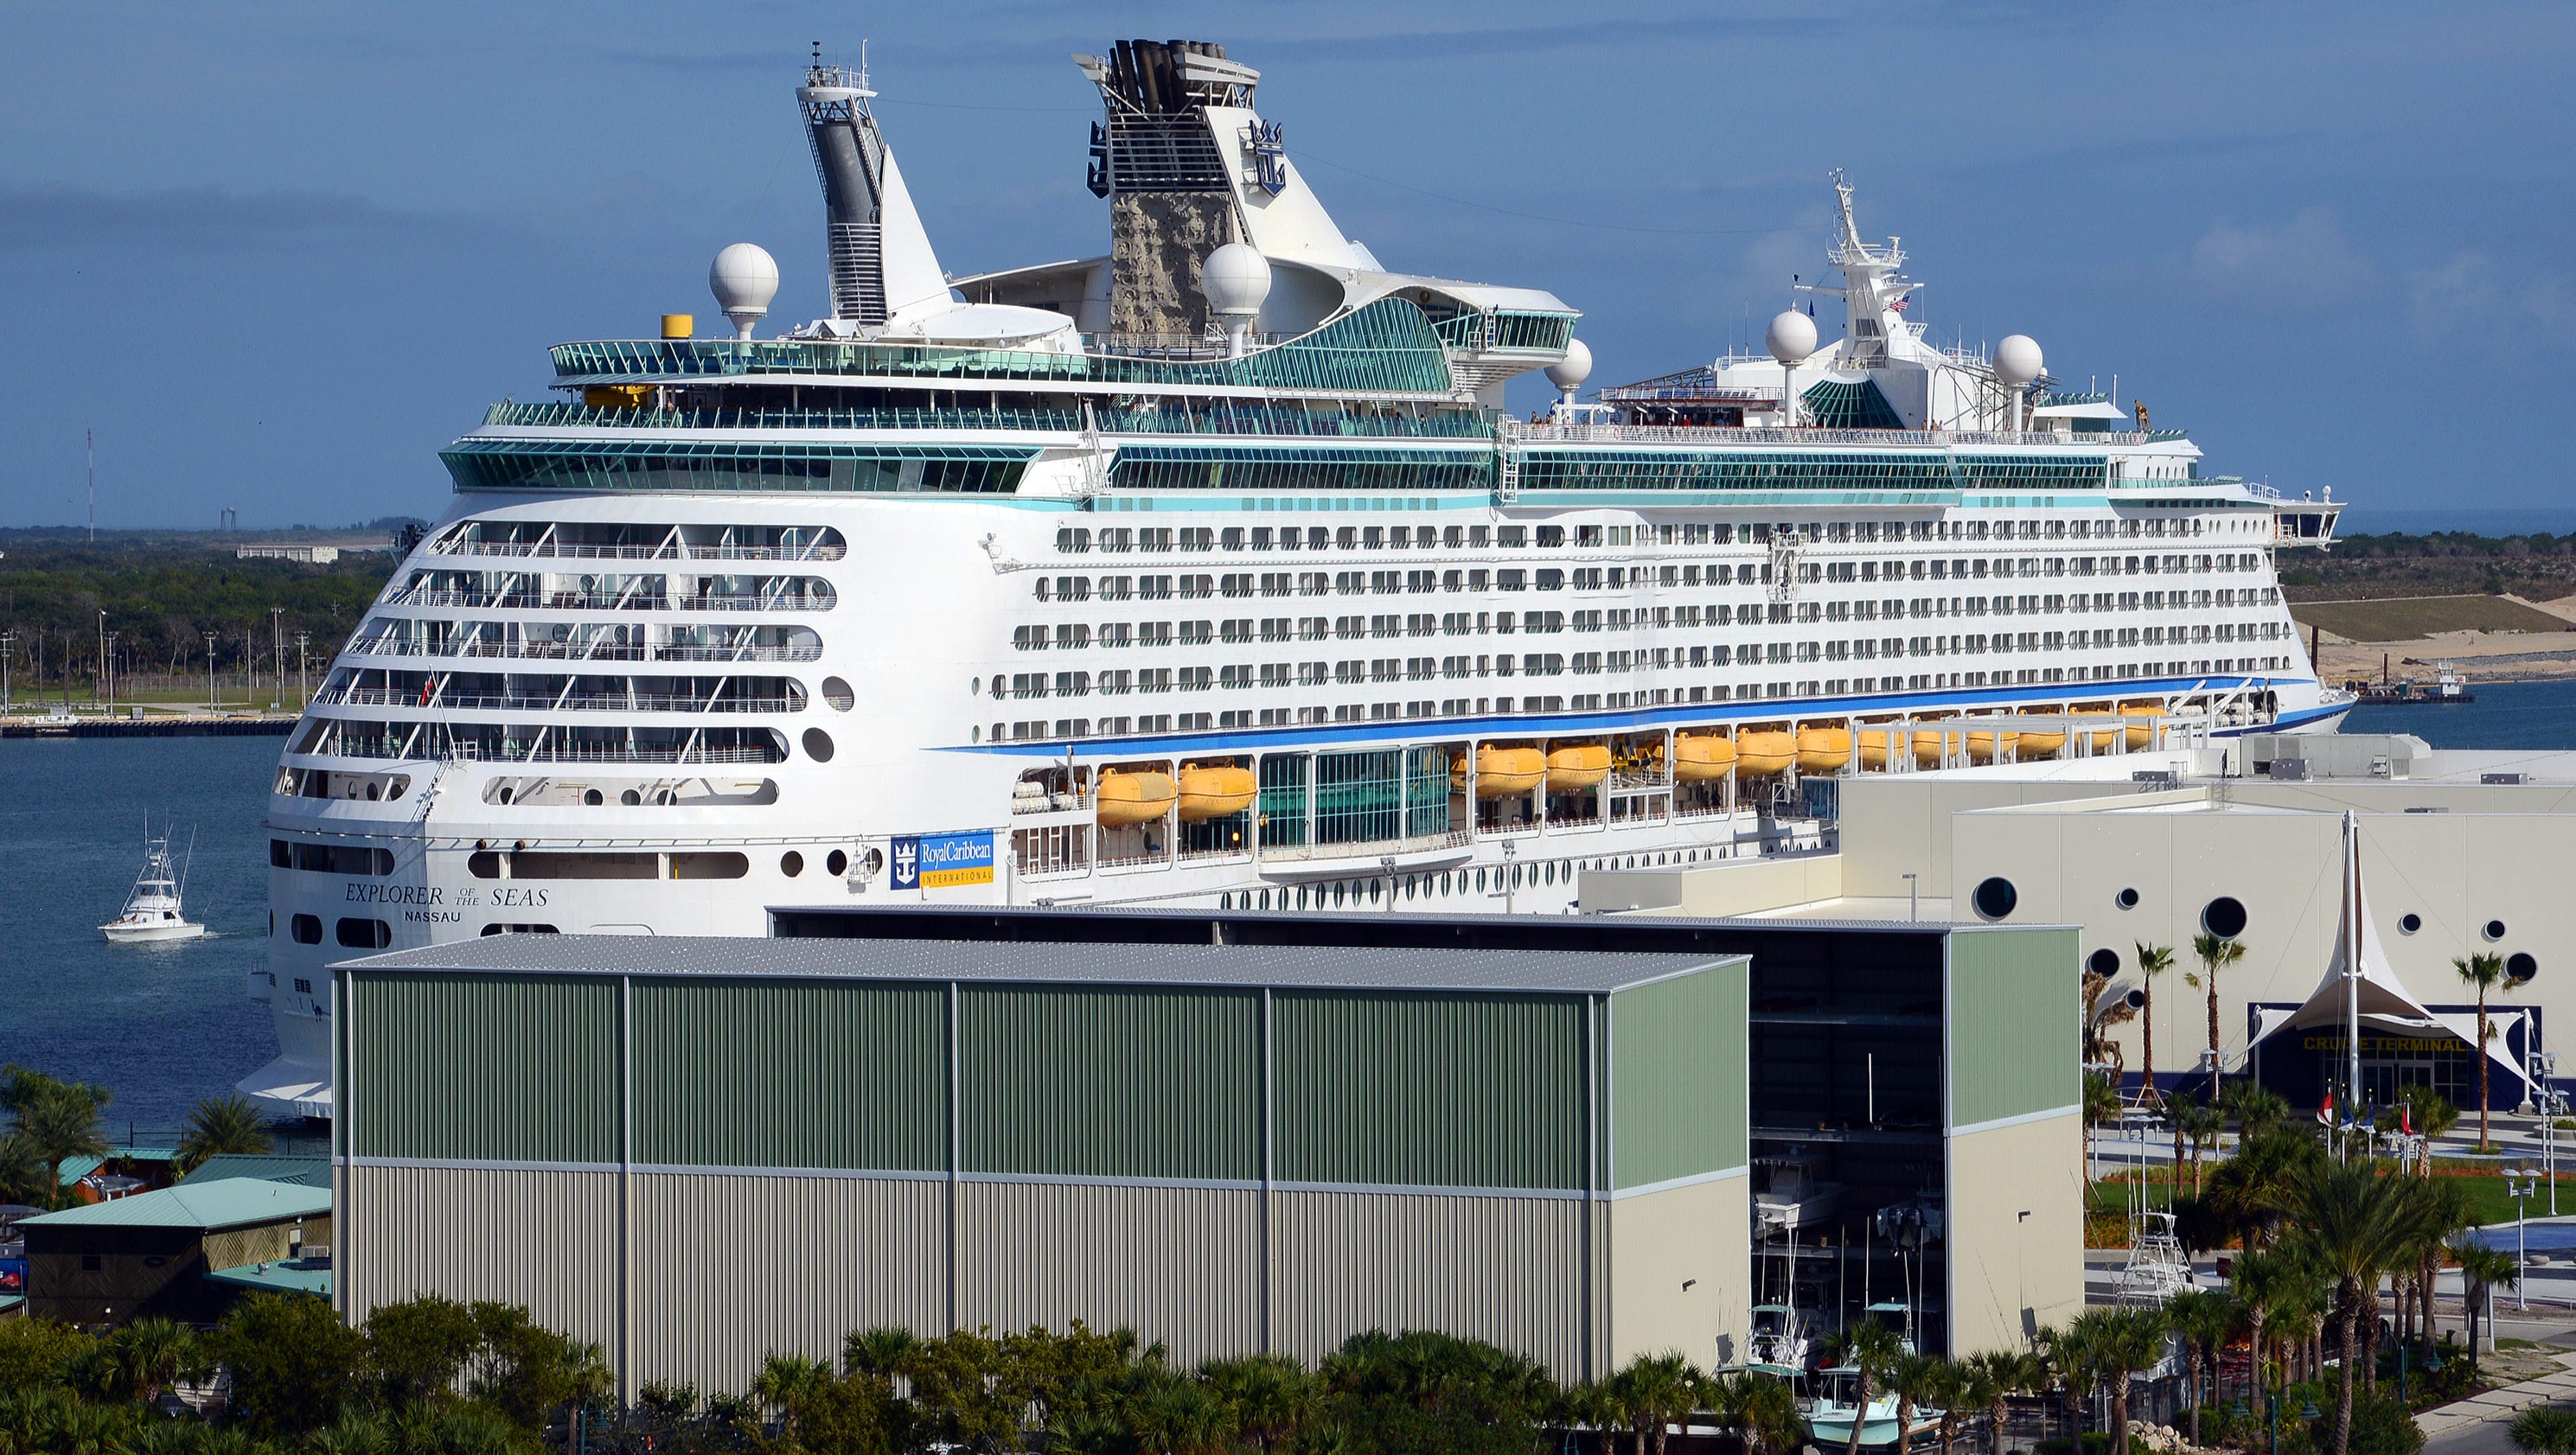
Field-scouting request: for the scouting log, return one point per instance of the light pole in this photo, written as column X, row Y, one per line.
column 99, row 684
column 302, row 689
column 210, row 670
column 277, row 637
column 2543, row 1069
column 107, row 665
column 1913, row 899
column 8, row 645
column 2519, row 1185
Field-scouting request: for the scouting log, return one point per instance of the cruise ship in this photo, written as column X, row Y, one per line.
column 1211, row 570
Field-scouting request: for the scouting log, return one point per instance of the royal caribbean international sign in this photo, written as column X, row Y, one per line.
column 940, row 861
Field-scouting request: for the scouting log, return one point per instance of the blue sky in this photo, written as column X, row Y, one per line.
column 279, row 255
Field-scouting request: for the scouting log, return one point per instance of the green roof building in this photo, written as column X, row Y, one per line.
column 148, row 1254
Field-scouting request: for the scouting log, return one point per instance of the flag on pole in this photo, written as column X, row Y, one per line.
column 2325, row 1112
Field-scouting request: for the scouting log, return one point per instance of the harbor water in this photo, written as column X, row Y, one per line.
column 163, row 1026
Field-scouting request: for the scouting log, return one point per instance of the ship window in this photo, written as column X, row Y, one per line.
column 2126, row 899
column 2104, row 962
column 2493, row 929
column 306, row 929
column 365, row 934
column 837, row 693
column 1995, row 898
column 2408, row 924
column 838, row 863
column 2519, row 967
column 2223, row 917
column 518, row 929
column 592, row 798
column 791, row 863
column 278, row 855
column 710, row 865
column 631, row 798
column 818, row 745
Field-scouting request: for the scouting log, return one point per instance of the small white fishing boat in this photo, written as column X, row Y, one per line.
column 154, row 912
column 1829, row 1419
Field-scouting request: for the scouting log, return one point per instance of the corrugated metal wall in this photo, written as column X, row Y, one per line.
column 839, row 1074
column 1120, row 1082
column 1507, row 1269
column 1180, row 1264
column 2012, row 990
column 1406, row 1089
column 548, row 1240
column 485, row 1068
column 1677, row 1078
column 729, row 1268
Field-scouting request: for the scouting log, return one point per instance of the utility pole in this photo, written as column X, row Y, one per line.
column 211, row 699
column 107, row 669
column 302, row 690
column 277, row 636
column 8, row 648
column 98, row 682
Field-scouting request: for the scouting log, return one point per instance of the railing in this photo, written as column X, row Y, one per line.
column 747, row 601
column 1370, row 849
column 1731, row 434
column 577, row 651
column 496, row 702
column 668, row 551
column 529, row 600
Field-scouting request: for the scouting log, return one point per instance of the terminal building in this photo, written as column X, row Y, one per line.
column 2458, row 855
column 1234, row 1133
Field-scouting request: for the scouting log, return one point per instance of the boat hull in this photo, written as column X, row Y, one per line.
column 151, row 934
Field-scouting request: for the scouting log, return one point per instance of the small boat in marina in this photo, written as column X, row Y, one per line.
column 1829, row 1419
column 154, row 911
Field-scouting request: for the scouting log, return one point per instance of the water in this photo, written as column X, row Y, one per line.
column 2526, row 716
column 161, row 1026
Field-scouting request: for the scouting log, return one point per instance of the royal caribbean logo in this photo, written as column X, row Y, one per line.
column 941, row 861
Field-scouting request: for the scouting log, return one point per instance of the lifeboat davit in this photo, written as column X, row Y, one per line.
column 1217, row 790
column 2043, row 743
column 1823, row 750
column 1701, row 757
column 1577, row 767
column 1128, row 799
column 1767, row 751
column 2141, row 734
column 1502, row 772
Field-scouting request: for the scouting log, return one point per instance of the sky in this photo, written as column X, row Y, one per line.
column 278, row 255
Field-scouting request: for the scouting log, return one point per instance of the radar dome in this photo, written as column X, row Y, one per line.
column 1791, row 336
column 744, row 279
column 2017, row 359
column 1236, row 280
column 1568, row 373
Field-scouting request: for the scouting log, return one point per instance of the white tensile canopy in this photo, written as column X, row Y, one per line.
column 2371, row 997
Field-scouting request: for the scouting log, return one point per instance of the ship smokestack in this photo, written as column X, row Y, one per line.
column 1155, row 157
column 850, row 154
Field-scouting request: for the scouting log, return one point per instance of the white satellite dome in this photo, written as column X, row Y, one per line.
column 744, row 279
column 1791, row 336
column 2017, row 359
column 1236, row 280
column 1568, row 373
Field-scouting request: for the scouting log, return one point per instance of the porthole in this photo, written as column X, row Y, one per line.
column 837, row 863
column 1224, row 903
column 592, row 798
column 791, row 863
column 2126, row 899
column 2104, row 962
column 2493, row 929
column 2223, row 917
column 631, row 798
column 1995, row 898
column 875, row 860
column 838, row 694
column 2519, row 967
column 2408, row 924
column 818, row 745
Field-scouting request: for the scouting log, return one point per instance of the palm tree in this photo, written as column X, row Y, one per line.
column 1763, row 1412
column 222, row 1126
column 2204, row 1317
column 2255, row 1188
column 2216, row 953
column 1998, row 1375
column 1271, row 1395
column 1653, row 1391
column 2483, row 973
column 787, row 1381
column 880, row 1352
column 2116, row 1344
column 2202, row 1122
column 2153, row 960
column 2481, row 1268
column 1912, row 1381
column 150, row 1355
column 2439, row 1208
column 2253, row 1108
column 58, row 1119
column 2101, row 1105
column 1870, row 1350
column 2353, row 1221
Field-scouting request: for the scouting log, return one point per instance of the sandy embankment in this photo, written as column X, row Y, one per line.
column 2479, row 656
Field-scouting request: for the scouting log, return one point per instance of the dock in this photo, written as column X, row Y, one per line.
column 159, row 725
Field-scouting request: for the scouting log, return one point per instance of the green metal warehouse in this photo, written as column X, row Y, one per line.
column 696, row 1151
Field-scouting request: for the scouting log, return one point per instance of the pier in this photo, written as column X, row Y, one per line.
column 163, row 725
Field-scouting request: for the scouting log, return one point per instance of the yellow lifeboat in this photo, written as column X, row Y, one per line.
column 1577, row 767
column 1766, row 751
column 1823, row 749
column 2040, row 743
column 1215, row 790
column 2099, row 733
column 1875, row 744
column 2141, row 734
column 1502, row 772
column 1989, row 746
column 1128, row 799
column 1701, row 757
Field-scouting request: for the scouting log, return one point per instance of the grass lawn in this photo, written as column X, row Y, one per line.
column 2107, row 1204
column 2406, row 618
